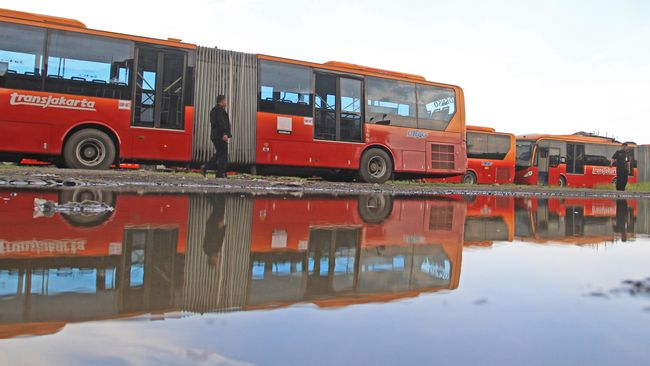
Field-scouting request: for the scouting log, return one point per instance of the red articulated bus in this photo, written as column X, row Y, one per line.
column 578, row 160
column 490, row 158
column 343, row 116
column 90, row 99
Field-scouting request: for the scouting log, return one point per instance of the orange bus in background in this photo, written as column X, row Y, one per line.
column 90, row 99
column 578, row 160
column 490, row 158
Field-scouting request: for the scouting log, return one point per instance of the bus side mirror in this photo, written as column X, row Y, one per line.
column 562, row 160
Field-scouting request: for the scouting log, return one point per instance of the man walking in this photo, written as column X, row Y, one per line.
column 220, row 135
column 622, row 161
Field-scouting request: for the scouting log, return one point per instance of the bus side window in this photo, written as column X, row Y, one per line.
column 285, row 89
column 390, row 102
column 21, row 53
column 436, row 107
column 89, row 65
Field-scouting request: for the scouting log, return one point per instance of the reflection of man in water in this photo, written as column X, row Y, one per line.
column 215, row 229
column 624, row 219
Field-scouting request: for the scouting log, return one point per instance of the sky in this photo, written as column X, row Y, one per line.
column 525, row 66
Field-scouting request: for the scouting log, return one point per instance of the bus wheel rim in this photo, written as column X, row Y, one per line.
column 91, row 152
column 377, row 167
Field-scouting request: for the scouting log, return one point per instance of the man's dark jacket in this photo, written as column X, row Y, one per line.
column 220, row 123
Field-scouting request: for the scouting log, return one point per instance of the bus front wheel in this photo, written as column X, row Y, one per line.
column 469, row 178
column 376, row 166
column 562, row 182
column 89, row 149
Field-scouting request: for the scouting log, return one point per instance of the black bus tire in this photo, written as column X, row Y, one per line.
column 376, row 166
column 89, row 149
column 469, row 178
column 562, row 182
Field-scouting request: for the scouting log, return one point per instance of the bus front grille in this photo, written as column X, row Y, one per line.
column 442, row 156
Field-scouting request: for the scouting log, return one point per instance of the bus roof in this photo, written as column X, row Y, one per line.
column 358, row 69
column 486, row 130
column 480, row 128
column 52, row 22
column 578, row 137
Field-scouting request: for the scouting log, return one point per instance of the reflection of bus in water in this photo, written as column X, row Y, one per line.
column 337, row 252
column 71, row 268
column 273, row 251
column 489, row 219
column 574, row 220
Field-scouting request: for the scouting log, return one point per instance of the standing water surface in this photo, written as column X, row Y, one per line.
column 272, row 280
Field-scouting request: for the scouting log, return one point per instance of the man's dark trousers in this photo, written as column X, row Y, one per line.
column 621, row 179
column 219, row 161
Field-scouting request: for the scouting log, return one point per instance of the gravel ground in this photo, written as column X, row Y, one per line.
column 174, row 182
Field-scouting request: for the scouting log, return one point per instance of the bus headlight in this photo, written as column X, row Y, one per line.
column 528, row 174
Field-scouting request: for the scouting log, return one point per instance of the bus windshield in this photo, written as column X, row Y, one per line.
column 524, row 153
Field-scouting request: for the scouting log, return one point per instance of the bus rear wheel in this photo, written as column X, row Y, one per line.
column 89, row 149
column 469, row 178
column 376, row 166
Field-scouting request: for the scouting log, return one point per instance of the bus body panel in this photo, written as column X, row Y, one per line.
column 487, row 171
column 37, row 122
column 410, row 148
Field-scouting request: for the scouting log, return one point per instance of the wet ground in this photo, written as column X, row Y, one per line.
column 177, row 182
column 89, row 275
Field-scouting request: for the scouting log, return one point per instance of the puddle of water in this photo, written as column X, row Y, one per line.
column 232, row 279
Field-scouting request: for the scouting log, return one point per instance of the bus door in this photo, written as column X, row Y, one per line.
column 338, row 108
column 158, row 111
column 553, row 163
column 542, row 165
column 575, row 159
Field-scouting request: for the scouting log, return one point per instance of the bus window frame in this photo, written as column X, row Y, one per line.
column 338, row 75
column 161, row 51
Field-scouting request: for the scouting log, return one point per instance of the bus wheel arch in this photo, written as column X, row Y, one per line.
column 97, row 136
column 376, row 164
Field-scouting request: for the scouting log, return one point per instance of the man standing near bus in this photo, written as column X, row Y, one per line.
column 621, row 160
column 220, row 135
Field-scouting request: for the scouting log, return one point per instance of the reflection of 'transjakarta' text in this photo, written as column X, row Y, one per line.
column 41, row 247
